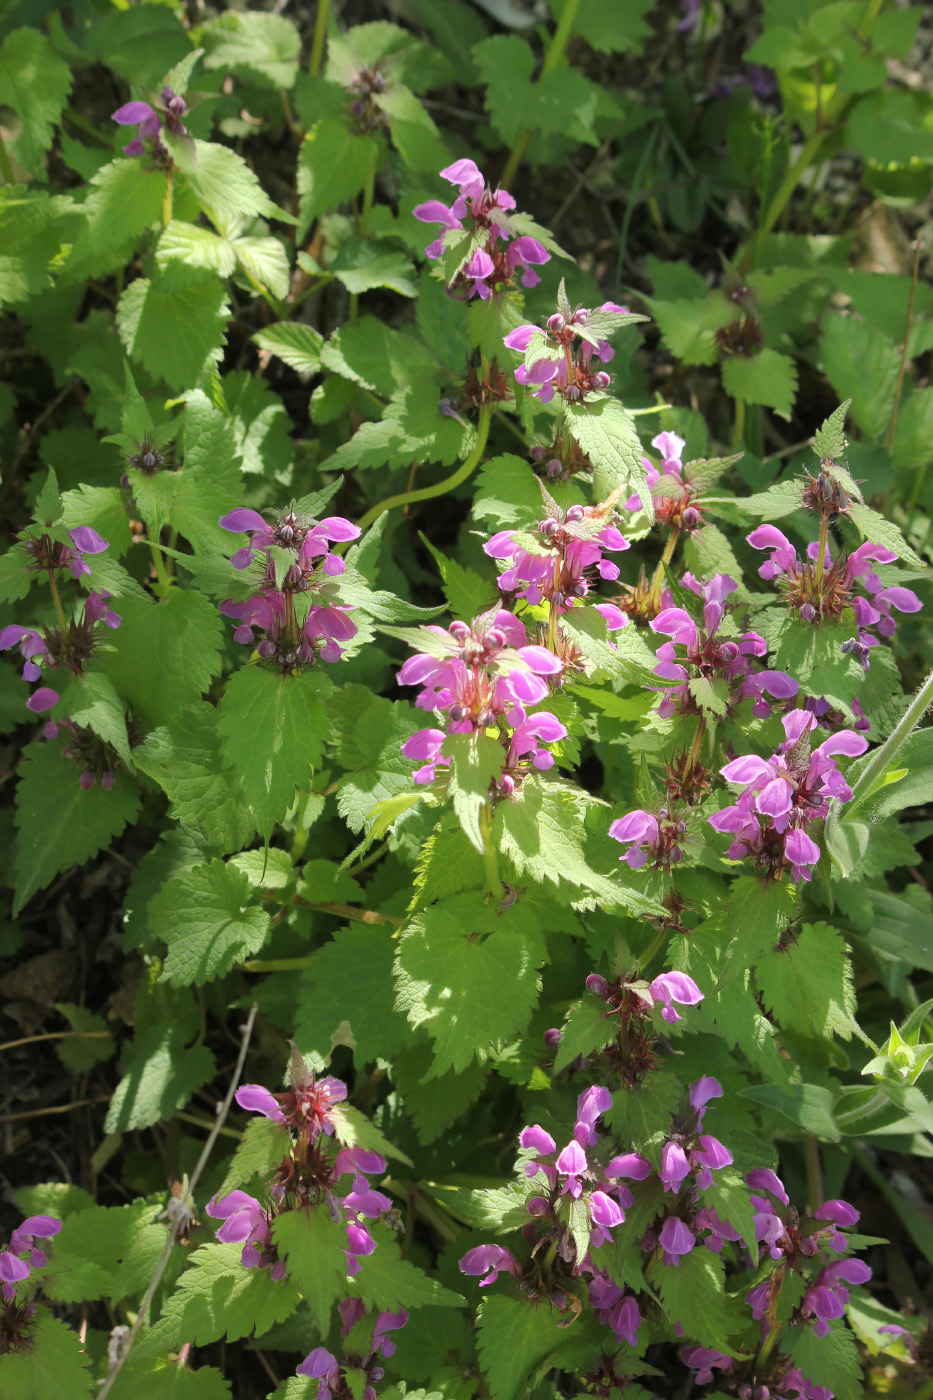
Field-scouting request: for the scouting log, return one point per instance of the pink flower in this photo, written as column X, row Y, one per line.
column 676, row 1239
column 671, row 987
column 492, row 1257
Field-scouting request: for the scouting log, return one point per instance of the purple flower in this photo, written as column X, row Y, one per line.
column 676, row 507
column 150, row 120
column 322, row 1366
column 703, row 1360
column 675, row 1166
column 629, row 1165
column 387, row 1322
column 560, row 366
column 569, row 549
column 492, row 1257
column 255, row 1098
column 672, row 987
column 14, row 1270
column 708, row 655
column 571, row 1164
column 676, row 1239
column 591, row 1104
column 247, row 1223
column 503, row 251
column 614, row 1309
column 653, row 837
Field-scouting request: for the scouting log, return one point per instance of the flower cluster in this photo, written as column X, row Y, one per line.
column 481, row 676
column 498, row 250
column 362, row 1350
column 673, row 495
column 17, row 1312
column 296, row 604
column 555, row 364
column 817, row 593
column 784, row 794
column 309, row 1175
column 706, row 655
column 569, row 550
column 151, row 120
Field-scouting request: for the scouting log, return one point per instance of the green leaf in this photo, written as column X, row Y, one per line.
column 312, row 1245
column 15, row 582
column 586, row 1030
column 468, row 593
column 175, row 334
column 411, row 427
column 35, row 82
column 514, row 1339
column 609, row 27
column 689, row 326
column 362, row 265
column 469, row 976
column 353, row 1129
column 369, row 733
column 435, row 1104
column 59, row 822
column 272, row 729
column 387, row 1281
column 692, row 1293
column 195, row 247
column 607, row 434
column 348, row 990
column 81, row 1052
column 185, row 632
column 104, row 509
column 829, row 1361
column 563, row 102
column 55, row 1364
column 913, row 436
column 900, row 930
column 372, row 354
column 210, row 483
column 829, row 441
column 880, row 530
column 800, row 649
column 261, row 47
column 813, row 1004
column 226, row 188
column 729, row 1197
column 862, row 366
column 124, row 199
column 296, row 345
column 164, row 1379
column 507, row 493
column 768, row 378
column 913, row 789
column 262, row 1147
column 216, row 1297
column 808, row 1106
column 122, row 1245
column 475, row 761
column 185, row 759
column 33, row 228
column 160, row 1075
column 264, row 262
column 91, row 701
column 206, row 918
column 333, row 165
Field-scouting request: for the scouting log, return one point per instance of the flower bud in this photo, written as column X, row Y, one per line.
column 729, row 651
column 556, row 323
column 457, row 713
column 552, row 1038
column 554, row 467
column 495, row 639
column 573, row 514
column 574, row 394
column 266, row 649
column 304, row 654
column 599, row 380
column 807, row 612
column 506, row 786
column 550, row 529
column 459, row 631
column 539, row 453
column 691, row 518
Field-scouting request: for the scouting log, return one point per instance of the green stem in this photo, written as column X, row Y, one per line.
column 278, row 964
column 811, row 1154
column 362, row 228
column 824, row 531
column 450, row 483
column 5, row 167
column 738, row 428
column 900, row 373
column 552, row 59
column 167, row 202
column 165, row 583
column 782, row 197
column 366, row 861
column 320, row 34
column 882, row 759
column 490, row 859
column 651, row 951
column 59, row 613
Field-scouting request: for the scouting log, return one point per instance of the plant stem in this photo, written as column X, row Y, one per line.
column 883, row 757
column 6, row 169
column 278, row 964
column 186, row 1198
column 450, row 483
column 167, row 201
column 651, row 951
column 824, row 530
column 320, row 34
column 738, row 428
column 362, row 228
column 900, row 372
column 790, row 182
column 552, row 59
column 490, row 860
column 62, row 625
column 165, row 583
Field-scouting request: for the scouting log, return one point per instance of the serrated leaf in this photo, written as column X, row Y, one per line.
column 435, row 1104
column 808, row 987
column 768, row 378
column 175, row 334
column 185, row 759
column 260, row 46
column 164, row 1379
column 55, row 1364
column 262, row 1147
column 333, row 166
column 296, row 345
column 880, row 530
column 692, row 1294
column 35, row 82
column 475, row 761
column 123, row 1243
column 272, row 729
column 353, row 1129
column 412, row 427
column 586, row 1030
column 217, row 1297
column 160, row 1075
column 363, row 265
column 91, row 701
column 829, row 442
column 830, row 1361
column 862, row 365
column 209, row 923
column 607, row 434
column 469, row 976
column 514, row 1339
column 185, row 632
column 313, row 1245
column 350, row 982
column 125, row 198
column 387, row 1281
column 59, row 822
column 226, row 189
column 507, row 493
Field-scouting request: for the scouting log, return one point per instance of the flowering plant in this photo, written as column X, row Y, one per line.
column 463, row 708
